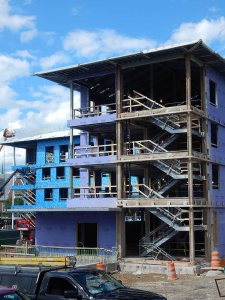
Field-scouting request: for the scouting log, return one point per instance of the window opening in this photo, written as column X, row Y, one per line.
column 48, row 194
column 214, row 134
column 60, row 173
column 76, row 173
column 63, row 194
column 87, row 235
column 212, row 92
column 215, row 176
column 49, row 154
column 63, row 153
column 46, row 174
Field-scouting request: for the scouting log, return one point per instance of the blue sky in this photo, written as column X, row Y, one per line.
column 39, row 35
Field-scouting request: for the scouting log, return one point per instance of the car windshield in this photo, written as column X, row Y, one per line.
column 96, row 282
column 13, row 296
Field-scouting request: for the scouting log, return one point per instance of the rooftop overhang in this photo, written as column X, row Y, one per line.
column 76, row 74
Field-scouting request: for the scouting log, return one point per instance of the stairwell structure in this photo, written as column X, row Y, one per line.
column 150, row 156
column 162, row 113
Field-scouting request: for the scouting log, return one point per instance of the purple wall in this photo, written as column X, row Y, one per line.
column 59, row 228
column 216, row 113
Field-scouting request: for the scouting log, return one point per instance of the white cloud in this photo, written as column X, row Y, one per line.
column 12, row 68
column 53, row 60
column 28, row 35
column 207, row 30
column 49, row 112
column 16, row 22
column 24, row 54
column 103, row 43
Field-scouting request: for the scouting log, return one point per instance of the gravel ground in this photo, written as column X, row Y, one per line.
column 186, row 287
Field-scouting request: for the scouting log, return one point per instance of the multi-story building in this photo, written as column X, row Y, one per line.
column 145, row 174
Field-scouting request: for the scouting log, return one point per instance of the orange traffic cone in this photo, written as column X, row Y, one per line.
column 171, row 271
column 215, row 261
column 101, row 266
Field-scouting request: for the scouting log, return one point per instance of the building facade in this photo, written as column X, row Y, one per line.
column 145, row 174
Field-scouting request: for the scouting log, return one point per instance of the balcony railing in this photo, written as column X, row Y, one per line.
column 95, row 191
column 97, row 110
column 101, row 150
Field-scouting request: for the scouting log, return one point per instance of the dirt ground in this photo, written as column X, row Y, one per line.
column 186, row 287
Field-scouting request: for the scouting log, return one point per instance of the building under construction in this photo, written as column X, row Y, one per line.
column 149, row 160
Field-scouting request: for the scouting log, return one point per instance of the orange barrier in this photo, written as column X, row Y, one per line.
column 215, row 260
column 101, row 266
column 171, row 271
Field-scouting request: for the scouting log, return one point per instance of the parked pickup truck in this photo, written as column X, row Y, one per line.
column 69, row 283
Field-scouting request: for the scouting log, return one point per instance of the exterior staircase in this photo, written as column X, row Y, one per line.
column 173, row 222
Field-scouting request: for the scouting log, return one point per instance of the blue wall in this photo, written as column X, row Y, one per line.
column 59, row 228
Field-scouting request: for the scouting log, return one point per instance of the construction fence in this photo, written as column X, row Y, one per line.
column 84, row 256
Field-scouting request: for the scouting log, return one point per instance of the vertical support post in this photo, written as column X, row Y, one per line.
column 71, row 140
column 151, row 75
column 207, row 211
column 190, row 167
column 120, row 232
column 13, row 192
column 119, row 132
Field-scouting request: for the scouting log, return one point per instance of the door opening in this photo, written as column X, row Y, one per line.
column 87, row 234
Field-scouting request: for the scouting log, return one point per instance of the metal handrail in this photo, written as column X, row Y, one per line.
column 96, row 110
column 98, row 150
column 96, row 191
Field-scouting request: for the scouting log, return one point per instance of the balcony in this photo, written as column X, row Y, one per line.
column 85, row 118
column 91, row 155
column 92, row 197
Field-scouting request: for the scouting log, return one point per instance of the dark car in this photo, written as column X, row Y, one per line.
column 100, row 285
column 12, row 294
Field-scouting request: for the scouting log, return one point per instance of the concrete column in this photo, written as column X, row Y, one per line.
column 120, row 232
column 190, row 168
column 119, row 132
column 207, row 211
column 84, row 173
column 71, row 146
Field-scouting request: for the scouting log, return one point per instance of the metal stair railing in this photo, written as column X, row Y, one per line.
column 26, row 178
column 148, row 146
column 136, row 103
column 175, row 218
column 159, row 238
column 160, row 185
column 30, row 197
column 30, row 178
column 170, row 166
column 152, row 236
column 142, row 190
column 31, row 217
column 156, row 251
column 164, row 124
